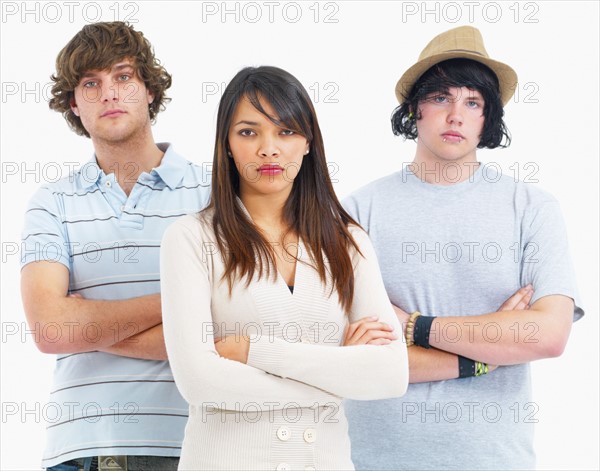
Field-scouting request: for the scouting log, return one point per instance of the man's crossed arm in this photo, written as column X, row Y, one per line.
column 516, row 333
column 129, row 327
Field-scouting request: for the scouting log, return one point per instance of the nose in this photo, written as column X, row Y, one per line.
column 109, row 91
column 455, row 113
column 268, row 147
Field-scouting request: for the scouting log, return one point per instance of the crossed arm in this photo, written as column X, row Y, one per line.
column 129, row 327
column 516, row 333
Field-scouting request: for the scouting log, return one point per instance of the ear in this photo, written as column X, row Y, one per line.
column 412, row 114
column 73, row 106
column 150, row 96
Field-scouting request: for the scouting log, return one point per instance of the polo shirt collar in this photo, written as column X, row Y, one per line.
column 171, row 170
column 172, row 167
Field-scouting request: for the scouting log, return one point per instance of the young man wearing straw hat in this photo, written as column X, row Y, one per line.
column 455, row 239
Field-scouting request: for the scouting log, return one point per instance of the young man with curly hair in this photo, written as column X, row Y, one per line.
column 90, row 265
column 455, row 239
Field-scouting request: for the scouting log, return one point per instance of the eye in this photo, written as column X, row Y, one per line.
column 90, row 84
column 287, row 132
column 473, row 104
column 124, row 77
column 436, row 98
column 246, row 132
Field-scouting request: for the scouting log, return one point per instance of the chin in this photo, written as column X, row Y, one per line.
column 271, row 190
column 115, row 136
column 453, row 157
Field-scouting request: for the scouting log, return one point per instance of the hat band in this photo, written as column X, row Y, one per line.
column 467, row 50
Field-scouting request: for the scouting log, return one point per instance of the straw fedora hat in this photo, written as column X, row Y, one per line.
column 464, row 42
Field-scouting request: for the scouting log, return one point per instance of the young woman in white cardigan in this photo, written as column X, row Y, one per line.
column 273, row 305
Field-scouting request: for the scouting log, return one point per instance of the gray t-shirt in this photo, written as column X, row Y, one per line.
column 451, row 250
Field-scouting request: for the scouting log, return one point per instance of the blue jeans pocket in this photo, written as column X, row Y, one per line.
column 74, row 465
column 64, row 467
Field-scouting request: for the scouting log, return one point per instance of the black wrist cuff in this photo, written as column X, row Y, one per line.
column 422, row 330
column 466, row 367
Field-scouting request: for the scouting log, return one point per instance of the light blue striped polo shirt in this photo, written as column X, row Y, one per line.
column 103, row 404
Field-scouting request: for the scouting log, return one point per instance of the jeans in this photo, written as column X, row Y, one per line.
column 134, row 463
column 76, row 465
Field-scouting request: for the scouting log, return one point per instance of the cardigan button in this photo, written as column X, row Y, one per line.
column 310, row 435
column 284, row 434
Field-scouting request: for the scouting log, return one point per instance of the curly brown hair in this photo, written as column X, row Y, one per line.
column 99, row 46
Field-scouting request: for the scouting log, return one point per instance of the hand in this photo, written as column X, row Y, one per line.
column 233, row 347
column 518, row 301
column 403, row 317
column 369, row 330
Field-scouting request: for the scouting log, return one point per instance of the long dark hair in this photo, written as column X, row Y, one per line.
column 312, row 211
column 456, row 73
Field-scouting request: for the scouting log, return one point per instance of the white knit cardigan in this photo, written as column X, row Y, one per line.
column 297, row 371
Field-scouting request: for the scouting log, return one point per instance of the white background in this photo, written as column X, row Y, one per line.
column 354, row 64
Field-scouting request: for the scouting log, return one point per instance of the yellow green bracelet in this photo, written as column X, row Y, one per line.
column 481, row 368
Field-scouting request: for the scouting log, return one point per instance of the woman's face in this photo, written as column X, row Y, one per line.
column 267, row 157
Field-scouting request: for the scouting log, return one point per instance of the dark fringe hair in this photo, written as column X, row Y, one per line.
column 456, row 73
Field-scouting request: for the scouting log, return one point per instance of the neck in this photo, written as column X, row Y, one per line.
column 266, row 210
column 127, row 160
column 436, row 171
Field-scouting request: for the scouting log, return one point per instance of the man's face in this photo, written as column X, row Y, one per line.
column 112, row 104
column 450, row 125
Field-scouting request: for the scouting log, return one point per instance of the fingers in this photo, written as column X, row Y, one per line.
column 524, row 302
column 368, row 330
column 512, row 303
column 355, row 325
column 358, row 329
column 379, row 342
column 372, row 336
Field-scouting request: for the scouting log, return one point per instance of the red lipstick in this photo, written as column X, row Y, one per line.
column 270, row 169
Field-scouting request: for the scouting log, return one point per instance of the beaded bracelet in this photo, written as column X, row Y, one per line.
column 410, row 328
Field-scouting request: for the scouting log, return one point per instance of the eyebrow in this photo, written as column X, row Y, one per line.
column 125, row 65
column 249, row 123
column 114, row 68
